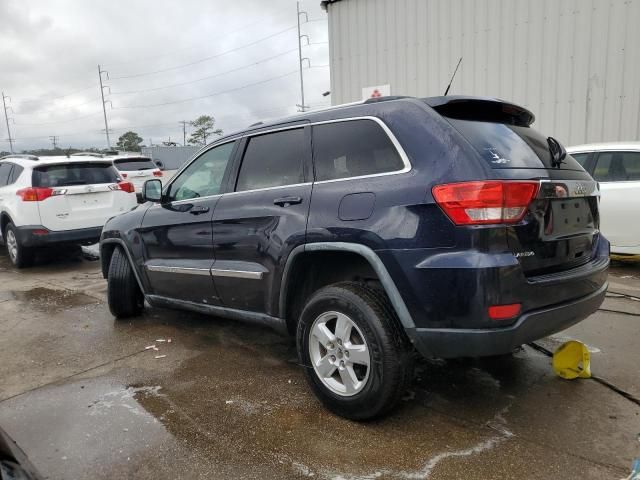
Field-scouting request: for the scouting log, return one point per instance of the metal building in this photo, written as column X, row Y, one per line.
column 574, row 63
column 171, row 158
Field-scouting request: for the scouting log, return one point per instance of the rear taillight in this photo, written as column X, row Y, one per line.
column 35, row 194
column 488, row 202
column 157, row 173
column 123, row 186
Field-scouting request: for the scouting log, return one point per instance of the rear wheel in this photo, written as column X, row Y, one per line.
column 357, row 358
column 19, row 255
column 123, row 293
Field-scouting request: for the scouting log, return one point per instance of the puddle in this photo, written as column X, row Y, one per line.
column 51, row 301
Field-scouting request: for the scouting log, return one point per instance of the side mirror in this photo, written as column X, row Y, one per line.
column 152, row 191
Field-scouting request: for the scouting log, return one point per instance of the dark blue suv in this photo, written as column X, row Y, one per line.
column 446, row 226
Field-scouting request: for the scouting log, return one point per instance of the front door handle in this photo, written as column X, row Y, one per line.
column 286, row 201
column 199, row 209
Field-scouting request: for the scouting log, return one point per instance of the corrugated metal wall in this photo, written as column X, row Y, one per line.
column 172, row 158
column 574, row 63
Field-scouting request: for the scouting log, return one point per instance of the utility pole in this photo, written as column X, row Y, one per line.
column 104, row 104
column 184, row 132
column 54, row 139
column 6, row 119
column 302, row 105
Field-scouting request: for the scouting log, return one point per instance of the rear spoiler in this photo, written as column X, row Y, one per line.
column 482, row 109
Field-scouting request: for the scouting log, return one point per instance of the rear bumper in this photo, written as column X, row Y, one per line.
column 533, row 325
column 37, row 236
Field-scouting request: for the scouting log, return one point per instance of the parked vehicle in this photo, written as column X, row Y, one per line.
column 616, row 166
column 14, row 464
column 57, row 200
column 133, row 168
column 446, row 226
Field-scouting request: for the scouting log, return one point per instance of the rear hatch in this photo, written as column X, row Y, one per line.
column 560, row 229
column 79, row 194
column 137, row 170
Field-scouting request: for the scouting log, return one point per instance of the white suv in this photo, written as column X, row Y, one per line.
column 616, row 166
column 53, row 200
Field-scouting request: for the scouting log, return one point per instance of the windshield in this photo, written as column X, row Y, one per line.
column 510, row 146
column 133, row 164
column 68, row 174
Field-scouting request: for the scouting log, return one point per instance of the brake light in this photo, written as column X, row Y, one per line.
column 123, row 186
column 504, row 312
column 488, row 202
column 34, row 194
column 157, row 173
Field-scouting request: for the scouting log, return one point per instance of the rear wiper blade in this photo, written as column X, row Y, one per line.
column 558, row 152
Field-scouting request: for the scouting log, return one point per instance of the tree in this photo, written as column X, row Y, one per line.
column 129, row 142
column 204, row 126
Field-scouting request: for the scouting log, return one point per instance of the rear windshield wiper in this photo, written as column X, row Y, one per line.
column 558, row 152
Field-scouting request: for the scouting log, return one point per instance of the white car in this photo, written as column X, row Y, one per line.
column 57, row 200
column 616, row 166
column 135, row 169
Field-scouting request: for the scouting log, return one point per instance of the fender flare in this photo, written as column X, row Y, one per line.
column 368, row 254
column 122, row 244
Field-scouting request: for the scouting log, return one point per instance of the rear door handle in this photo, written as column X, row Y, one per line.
column 199, row 209
column 286, row 201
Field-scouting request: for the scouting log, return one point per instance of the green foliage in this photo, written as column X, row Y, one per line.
column 129, row 142
column 204, row 126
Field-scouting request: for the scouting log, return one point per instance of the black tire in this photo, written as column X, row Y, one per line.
column 123, row 293
column 19, row 255
column 391, row 355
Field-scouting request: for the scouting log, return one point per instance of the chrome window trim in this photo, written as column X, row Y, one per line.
column 403, row 155
column 184, row 270
column 271, row 188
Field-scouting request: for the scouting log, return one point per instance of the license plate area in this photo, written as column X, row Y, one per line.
column 568, row 217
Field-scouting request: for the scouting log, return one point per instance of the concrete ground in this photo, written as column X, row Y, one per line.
column 84, row 398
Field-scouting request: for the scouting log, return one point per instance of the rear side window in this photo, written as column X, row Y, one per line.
column 273, row 160
column 510, row 146
column 5, row 171
column 69, row 174
column 581, row 158
column 352, row 149
column 617, row 167
column 15, row 174
column 133, row 164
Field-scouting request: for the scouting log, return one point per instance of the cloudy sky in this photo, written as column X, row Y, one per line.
column 167, row 61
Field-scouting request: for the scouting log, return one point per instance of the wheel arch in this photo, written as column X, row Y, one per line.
column 107, row 247
column 365, row 253
column 5, row 219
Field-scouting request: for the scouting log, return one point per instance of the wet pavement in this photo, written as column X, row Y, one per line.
column 84, row 398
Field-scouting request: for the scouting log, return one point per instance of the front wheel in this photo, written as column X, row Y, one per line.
column 19, row 255
column 123, row 293
column 357, row 359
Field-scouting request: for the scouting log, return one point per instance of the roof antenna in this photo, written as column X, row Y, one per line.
column 452, row 77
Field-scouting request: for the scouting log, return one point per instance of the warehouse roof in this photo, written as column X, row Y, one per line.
column 325, row 3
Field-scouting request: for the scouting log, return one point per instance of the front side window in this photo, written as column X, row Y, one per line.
column 5, row 171
column 273, row 160
column 204, row 176
column 352, row 149
column 617, row 167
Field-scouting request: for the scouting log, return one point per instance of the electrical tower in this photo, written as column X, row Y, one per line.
column 302, row 105
column 54, row 140
column 6, row 119
column 104, row 103
column 184, row 132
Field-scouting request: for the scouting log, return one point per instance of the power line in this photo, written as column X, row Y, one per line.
column 70, row 107
column 207, row 96
column 6, row 118
column 222, row 35
column 205, row 59
column 205, row 78
column 104, row 104
column 31, row 100
column 58, row 121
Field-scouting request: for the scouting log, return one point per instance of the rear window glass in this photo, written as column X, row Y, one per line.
column 352, row 149
column 510, row 146
column 617, row 167
column 66, row 175
column 132, row 164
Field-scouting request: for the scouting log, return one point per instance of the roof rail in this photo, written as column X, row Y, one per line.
column 388, row 98
column 22, row 156
column 87, row 154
